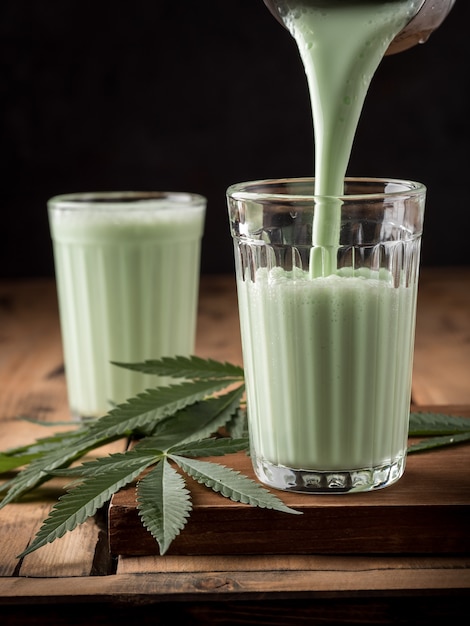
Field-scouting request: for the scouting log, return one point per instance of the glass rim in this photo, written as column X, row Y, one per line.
column 239, row 191
column 125, row 199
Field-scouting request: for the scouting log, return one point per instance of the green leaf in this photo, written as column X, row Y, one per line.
column 191, row 367
column 211, row 447
column 164, row 504
column 423, row 424
column 16, row 457
column 438, row 442
column 84, row 500
column 238, row 425
column 148, row 408
column 39, row 471
column 110, row 463
column 203, row 418
column 8, row 463
column 231, row 484
column 178, row 422
column 144, row 410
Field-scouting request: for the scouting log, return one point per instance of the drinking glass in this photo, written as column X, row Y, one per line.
column 327, row 303
column 127, row 271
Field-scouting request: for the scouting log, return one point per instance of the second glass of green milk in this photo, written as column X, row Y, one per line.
column 127, row 271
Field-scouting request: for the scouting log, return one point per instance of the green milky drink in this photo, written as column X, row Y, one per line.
column 341, row 44
column 343, row 345
column 127, row 270
column 328, row 360
column 327, row 277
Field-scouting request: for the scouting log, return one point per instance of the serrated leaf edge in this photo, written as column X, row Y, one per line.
column 159, row 515
column 248, row 491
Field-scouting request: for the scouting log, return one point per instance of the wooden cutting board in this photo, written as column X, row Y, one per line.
column 426, row 511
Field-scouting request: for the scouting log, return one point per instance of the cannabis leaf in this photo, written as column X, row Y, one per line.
column 211, row 447
column 164, row 504
column 231, row 484
column 192, row 367
column 438, row 442
column 22, row 455
column 424, row 424
column 133, row 418
column 40, row 469
column 440, row 430
column 84, row 500
column 167, row 427
column 203, row 418
column 145, row 410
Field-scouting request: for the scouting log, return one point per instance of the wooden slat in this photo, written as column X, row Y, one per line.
column 218, row 329
column 289, row 563
column 441, row 373
column 33, row 385
column 31, row 350
column 18, row 523
column 362, row 578
column 75, row 554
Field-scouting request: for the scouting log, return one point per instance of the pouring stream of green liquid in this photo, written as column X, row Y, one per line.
column 341, row 44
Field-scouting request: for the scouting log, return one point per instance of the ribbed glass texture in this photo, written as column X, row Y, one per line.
column 328, row 354
column 127, row 270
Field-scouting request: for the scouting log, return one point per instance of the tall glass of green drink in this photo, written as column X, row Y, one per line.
column 127, row 271
column 327, row 329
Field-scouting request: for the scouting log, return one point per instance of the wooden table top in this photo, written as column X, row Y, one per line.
column 77, row 580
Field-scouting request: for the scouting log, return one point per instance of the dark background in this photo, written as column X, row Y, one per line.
column 197, row 95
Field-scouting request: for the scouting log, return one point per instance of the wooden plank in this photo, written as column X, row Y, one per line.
column 32, row 381
column 71, row 555
column 80, row 552
column 32, row 384
column 18, row 523
column 436, row 486
column 441, row 373
column 218, row 329
column 202, row 564
column 367, row 579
